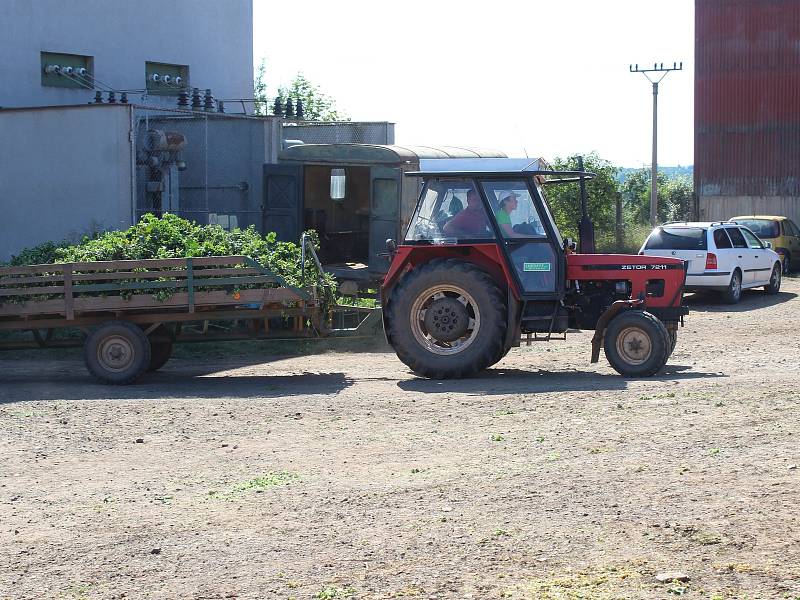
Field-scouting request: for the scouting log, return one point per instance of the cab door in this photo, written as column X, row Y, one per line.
column 526, row 234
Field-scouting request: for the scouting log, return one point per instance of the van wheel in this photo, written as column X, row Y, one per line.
column 774, row 285
column 447, row 319
column 117, row 352
column 636, row 343
column 734, row 292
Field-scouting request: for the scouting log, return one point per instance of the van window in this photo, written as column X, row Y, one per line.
column 677, row 238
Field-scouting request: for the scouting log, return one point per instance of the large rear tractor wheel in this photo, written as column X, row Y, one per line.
column 636, row 344
column 447, row 319
column 117, row 352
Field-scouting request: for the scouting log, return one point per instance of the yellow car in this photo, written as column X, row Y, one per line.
column 781, row 232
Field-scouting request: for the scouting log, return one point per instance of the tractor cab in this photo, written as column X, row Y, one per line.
column 498, row 202
column 482, row 265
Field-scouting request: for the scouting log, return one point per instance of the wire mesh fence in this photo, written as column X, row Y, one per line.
column 196, row 165
column 208, row 166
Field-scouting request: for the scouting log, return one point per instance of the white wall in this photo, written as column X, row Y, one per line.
column 62, row 172
column 213, row 37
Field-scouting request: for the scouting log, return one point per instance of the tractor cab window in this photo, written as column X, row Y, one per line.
column 514, row 210
column 449, row 211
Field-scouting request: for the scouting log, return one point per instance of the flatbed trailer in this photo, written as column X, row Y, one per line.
column 128, row 314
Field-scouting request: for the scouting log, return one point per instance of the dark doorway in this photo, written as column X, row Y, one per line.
column 343, row 225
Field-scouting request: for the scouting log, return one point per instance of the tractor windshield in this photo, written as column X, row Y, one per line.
column 449, row 210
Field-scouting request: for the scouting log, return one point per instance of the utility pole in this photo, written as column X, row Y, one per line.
column 657, row 68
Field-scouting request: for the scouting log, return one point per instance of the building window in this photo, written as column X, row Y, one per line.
column 164, row 79
column 67, row 70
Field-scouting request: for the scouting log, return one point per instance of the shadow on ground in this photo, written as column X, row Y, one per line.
column 751, row 300
column 516, row 381
column 78, row 385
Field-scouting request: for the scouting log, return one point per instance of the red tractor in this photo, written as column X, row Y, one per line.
column 483, row 267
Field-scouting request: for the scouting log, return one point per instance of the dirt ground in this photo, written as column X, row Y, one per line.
column 342, row 475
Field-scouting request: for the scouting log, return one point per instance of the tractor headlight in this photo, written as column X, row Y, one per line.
column 621, row 287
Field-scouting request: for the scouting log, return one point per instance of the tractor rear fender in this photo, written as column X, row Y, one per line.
column 611, row 312
column 487, row 257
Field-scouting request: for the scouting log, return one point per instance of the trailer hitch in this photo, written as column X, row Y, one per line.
column 611, row 312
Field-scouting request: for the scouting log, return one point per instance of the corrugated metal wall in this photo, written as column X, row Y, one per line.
column 747, row 106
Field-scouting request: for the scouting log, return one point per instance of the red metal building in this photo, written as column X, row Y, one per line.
column 747, row 108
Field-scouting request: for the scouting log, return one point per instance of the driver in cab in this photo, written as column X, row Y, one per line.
column 508, row 204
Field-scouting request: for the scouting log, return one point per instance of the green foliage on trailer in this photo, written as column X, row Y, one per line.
column 170, row 236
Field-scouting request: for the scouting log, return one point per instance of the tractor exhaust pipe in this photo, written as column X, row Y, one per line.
column 585, row 225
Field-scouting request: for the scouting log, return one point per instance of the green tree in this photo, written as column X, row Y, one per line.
column 317, row 106
column 565, row 199
column 674, row 196
column 260, row 102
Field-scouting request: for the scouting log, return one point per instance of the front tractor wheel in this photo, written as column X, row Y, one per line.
column 447, row 319
column 637, row 344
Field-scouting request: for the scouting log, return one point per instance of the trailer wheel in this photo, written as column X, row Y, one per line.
column 160, row 347
column 160, row 353
column 447, row 319
column 117, row 352
column 636, row 344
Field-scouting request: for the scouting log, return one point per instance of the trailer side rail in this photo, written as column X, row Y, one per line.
column 71, row 289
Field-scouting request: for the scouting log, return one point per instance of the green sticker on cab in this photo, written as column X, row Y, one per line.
column 540, row 266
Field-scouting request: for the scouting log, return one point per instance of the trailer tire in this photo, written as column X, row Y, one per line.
column 160, row 353
column 117, row 352
column 636, row 343
column 464, row 303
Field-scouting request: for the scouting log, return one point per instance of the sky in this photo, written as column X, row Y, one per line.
column 529, row 78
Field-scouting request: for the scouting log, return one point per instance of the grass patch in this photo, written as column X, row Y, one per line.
column 269, row 480
column 330, row 592
column 595, row 584
column 257, row 485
